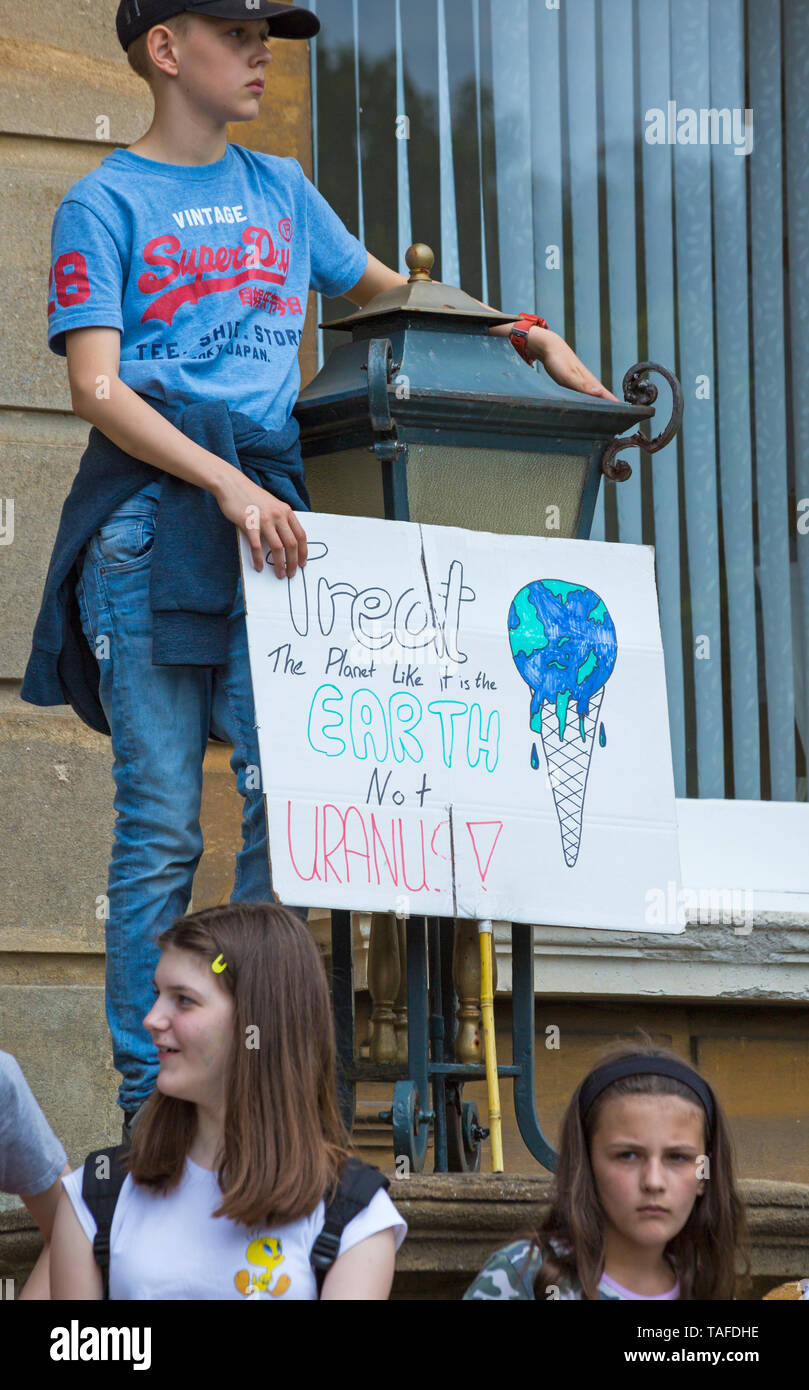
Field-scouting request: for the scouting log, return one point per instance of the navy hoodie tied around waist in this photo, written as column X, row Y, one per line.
column 194, row 559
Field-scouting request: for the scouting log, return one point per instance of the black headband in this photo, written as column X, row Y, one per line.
column 604, row 1076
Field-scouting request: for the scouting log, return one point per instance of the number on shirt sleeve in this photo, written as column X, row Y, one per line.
column 85, row 288
column 69, row 275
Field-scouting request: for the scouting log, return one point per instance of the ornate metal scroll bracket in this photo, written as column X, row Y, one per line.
column 638, row 392
column 380, row 368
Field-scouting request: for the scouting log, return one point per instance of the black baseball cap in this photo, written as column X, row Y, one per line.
column 135, row 17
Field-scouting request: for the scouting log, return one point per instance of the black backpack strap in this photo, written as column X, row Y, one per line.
column 100, row 1195
column 358, row 1184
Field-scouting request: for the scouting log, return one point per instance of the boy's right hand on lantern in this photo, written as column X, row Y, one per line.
column 264, row 519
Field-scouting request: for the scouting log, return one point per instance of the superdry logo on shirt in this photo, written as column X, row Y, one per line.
column 201, row 267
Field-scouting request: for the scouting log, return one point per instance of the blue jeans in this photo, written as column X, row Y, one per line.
column 160, row 718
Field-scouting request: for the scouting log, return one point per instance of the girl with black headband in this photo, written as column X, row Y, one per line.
column 645, row 1204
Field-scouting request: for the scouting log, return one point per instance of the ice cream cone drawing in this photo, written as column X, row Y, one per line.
column 564, row 647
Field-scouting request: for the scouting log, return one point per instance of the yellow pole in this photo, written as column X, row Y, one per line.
column 492, row 1079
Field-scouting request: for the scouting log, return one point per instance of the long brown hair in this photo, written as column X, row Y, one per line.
column 284, row 1142
column 704, row 1251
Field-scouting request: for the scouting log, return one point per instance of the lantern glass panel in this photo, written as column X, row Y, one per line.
column 505, row 491
column 348, row 483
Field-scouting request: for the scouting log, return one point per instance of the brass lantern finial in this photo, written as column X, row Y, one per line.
column 422, row 295
column 419, row 261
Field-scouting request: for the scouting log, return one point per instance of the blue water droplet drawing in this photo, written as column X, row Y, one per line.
column 602, row 737
column 534, row 757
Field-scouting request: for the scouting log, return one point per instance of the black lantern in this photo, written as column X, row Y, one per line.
column 423, row 416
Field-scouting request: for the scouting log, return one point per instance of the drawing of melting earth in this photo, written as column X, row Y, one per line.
column 564, row 647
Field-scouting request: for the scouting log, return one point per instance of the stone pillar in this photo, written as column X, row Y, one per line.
column 383, row 982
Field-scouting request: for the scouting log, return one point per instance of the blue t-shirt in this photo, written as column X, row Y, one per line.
column 204, row 270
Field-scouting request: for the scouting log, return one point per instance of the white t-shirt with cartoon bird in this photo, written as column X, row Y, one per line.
column 172, row 1247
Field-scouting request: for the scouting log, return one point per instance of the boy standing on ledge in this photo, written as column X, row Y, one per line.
column 180, row 271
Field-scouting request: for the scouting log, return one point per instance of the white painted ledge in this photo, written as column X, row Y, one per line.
column 704, row 962
column 759, row 848
column 745, row 907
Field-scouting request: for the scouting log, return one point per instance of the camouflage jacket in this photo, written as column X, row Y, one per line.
column 510, row 1273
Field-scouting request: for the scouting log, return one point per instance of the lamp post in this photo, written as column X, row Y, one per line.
column 424, row 416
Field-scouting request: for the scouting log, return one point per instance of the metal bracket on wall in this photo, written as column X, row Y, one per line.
column 388, row 449
column 638, row 392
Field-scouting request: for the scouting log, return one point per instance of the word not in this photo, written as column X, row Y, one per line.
column 367, row 852
column 413, row 624
column 690, row 127
column 216, row 967
column 103, row 1344
column 397, row 795
column 386, row 732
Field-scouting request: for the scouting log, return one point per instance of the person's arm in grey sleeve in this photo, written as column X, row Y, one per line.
column 42, row 1207
column 31, row 1162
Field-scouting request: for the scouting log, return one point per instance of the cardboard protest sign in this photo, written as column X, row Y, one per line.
column 458, row 724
